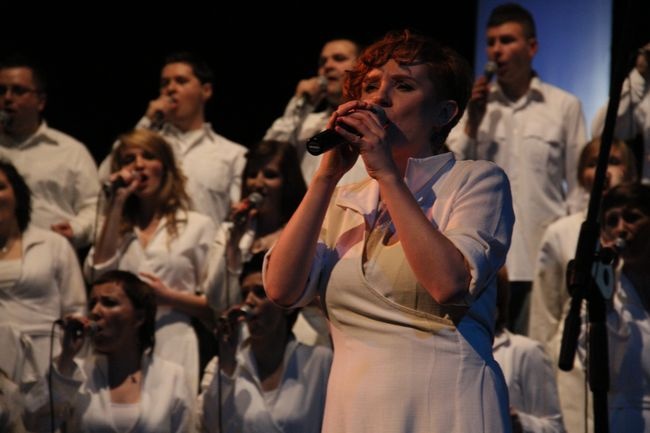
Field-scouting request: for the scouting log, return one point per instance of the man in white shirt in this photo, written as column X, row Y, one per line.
column 212, row 163
column 302, row 119
column 534, row 131
column 58, row 169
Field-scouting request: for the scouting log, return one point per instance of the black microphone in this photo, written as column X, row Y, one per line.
column 489, row 70
column 110, row 187
column 305, row 98
column 79, row 328
column 5, row 118
column 158, row 120
column 227, row 319
column 251, row 202
column 329, row 138
column 620, row 244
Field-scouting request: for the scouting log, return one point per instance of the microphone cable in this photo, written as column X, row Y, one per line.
column 102, row 203
column 49, row 377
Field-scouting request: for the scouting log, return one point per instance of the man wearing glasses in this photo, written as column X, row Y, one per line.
column 58, row 169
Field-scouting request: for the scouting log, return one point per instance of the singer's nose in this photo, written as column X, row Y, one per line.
column 93, row 314
column 138, row 162
column 380, row 97
column 258, row 181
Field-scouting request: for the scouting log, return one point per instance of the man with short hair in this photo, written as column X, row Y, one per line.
column 212, row 163
column 301, row 120
column 534, row 131
column 58, row 169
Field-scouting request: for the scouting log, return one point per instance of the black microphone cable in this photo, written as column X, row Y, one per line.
column 49, row 376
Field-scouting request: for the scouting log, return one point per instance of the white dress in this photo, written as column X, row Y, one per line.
column 47, row 285
column 180, row 264
column 402, row 362
column 628, row 334
column 296, row 407
column 83, row 400
column 531, row 382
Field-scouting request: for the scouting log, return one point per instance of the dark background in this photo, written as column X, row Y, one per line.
column 103, row 67
column 103, row 60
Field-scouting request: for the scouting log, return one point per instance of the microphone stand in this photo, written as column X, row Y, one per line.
column 579, row 274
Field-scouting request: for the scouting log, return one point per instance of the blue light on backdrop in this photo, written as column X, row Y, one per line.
column 574, row 46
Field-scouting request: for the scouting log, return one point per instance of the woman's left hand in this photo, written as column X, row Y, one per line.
column 161, row 291
column 366, row 131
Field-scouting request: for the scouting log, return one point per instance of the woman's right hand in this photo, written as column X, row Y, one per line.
column 339, row 160
column 124, row 182
column 75, row 329
column 228, row 337
column 477, row 105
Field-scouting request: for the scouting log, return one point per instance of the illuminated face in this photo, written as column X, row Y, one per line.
column 336, row 58
column 148, row 168
column 512, row 51
column 408, row 97
column 117, row 319
column 178, row 82
column 266, row 318
column 20, row 99
column 616, row 169
column 630, row 224
column 268, row 181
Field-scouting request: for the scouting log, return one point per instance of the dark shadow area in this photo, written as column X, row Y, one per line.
column 103, row 63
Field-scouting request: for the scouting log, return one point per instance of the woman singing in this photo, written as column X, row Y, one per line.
column 406, row 260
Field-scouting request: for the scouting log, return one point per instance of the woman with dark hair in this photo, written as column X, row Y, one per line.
column 149, row 231
column 405, row 261
column 122, row 386
column 40, row 281
column 272, row 187
column 270, row 382
column 625, row 227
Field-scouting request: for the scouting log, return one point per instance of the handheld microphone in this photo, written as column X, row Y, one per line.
column 489, row 70
column 110, row 187
column 78, row 327
column 305, row 98
column 244, row 310
column 227, row 319
column 251, row 202
column 5, row 118
column 329, row 138
column 620, row 244
column 158, row 121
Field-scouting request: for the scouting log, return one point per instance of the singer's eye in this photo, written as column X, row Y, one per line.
column 404, row 87
column 255, row 289
column 126, row 159
column 370, row 87
column 270, row 173
column 611, row 220
column 340, row 58
column 631, row 216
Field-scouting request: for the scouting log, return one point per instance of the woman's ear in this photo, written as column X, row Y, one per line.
column 445, row 112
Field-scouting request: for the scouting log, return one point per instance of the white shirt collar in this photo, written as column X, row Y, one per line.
column 420, row 172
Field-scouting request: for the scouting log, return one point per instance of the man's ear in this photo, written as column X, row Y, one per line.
column 445, row 112
column 206, row 89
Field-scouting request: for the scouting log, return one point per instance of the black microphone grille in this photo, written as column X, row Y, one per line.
column 255, row 198
column 490, row 69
